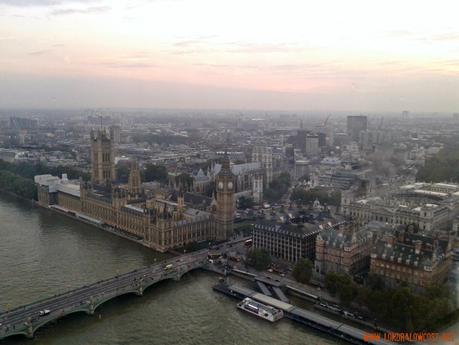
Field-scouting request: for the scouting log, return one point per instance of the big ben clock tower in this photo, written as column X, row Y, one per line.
column 224, row 216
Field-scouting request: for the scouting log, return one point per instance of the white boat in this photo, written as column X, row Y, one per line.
column 261, row 310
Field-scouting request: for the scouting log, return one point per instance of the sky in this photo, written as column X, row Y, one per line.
column 356, row 55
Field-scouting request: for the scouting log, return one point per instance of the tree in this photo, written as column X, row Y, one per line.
column 259, row 259
column 185, row 181
column 302, row 272
column 18, row 185
column 245, row 230
column 329, row 197
column 245, row 202
column 154, row 172
column 375, row 282
column 278, row 187
column 342, row 285
column 444, row 166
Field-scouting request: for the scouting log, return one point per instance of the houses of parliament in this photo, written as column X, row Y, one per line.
column 159, row 222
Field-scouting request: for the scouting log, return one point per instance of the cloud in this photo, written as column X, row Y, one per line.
column 71, row 11
column 42, row 3
column 39, row 52
column 445, row 37
column 128, row 65
column 242, row 47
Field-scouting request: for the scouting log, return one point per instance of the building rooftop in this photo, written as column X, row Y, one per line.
column 300, row 230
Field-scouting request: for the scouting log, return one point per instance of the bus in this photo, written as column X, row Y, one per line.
column 248, row 243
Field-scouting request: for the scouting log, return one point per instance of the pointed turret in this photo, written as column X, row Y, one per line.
column 134, row 181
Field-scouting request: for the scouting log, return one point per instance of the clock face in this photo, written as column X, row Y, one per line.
column 230, row 185
column 220, row 185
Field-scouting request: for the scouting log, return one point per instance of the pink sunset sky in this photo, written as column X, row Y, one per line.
column 330, row 55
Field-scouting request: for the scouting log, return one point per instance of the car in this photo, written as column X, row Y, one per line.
column 348, row 314
column 44, row 312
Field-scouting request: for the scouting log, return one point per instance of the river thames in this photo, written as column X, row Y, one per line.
column 43, row 253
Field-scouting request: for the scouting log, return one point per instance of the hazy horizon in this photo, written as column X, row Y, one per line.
column 289, row 55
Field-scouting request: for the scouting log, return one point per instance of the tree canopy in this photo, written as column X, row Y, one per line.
column 302, row 272
column 18, row 178
column 303, row 196
column 259, row 259
column 399, row 307
column 442, row 167
column 278, row 187
column 153, row 172
column 245, row 202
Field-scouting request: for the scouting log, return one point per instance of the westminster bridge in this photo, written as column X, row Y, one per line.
column 25, row 320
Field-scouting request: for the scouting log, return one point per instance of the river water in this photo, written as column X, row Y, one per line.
column 43, row 253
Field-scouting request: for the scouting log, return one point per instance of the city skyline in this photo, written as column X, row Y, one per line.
column 259, row 55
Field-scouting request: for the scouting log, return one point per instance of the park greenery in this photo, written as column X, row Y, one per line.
column 400, row 308
column 259, row 259
column 185, row 181
column 244, row 229
column 278, row 187
column 150, row 173
column 302, row 271
column 442, row 167
column 18, row 178
column 325, row 196
column 244, row 203
column 30, row 169
column 18, row 185
column 153, row 172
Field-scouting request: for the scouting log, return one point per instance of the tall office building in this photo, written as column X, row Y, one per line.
column 115, row 134
column 22, row 123
column 356, row 124
column 312, row 145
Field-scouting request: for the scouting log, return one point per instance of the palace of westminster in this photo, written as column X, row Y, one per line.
column 161, row 224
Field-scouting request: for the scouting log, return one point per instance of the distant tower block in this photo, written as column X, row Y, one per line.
column 355, row 125
column 102, row 159
column 115, row 134
column 134, row 181
column 224, row 217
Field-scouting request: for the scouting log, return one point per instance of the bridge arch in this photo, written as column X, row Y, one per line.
column 104, row 300
column 44, row 322
column 18, row 333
